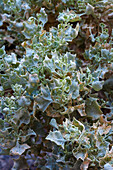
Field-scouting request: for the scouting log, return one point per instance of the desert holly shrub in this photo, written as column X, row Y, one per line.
column 56, row 83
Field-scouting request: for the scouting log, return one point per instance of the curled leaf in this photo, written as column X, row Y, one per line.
column 92, row 109
column 19, row 149
column 57, row 138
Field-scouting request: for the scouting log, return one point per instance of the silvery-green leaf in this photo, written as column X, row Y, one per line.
column 107, row 166
column 105, row 53
column 19, row 149
column 92, row 109
column 2, row 51
column 53, row 123
column 49, row 63
column 74, row 89
column 81, row 154
column 21, row 116
column 78, row 124
column 23, row 101
column 97, row 85
column 57, row 138
column 42, row 16
column 44, row 100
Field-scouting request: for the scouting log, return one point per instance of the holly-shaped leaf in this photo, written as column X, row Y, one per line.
column 57, row 138
column 19, row 149
column 92, row 109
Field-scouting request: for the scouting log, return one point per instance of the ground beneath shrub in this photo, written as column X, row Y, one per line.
column 6, row 163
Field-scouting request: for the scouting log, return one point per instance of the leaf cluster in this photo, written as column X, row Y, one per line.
column 56, row 83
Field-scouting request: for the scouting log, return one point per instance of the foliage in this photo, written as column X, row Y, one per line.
column 56, row 83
